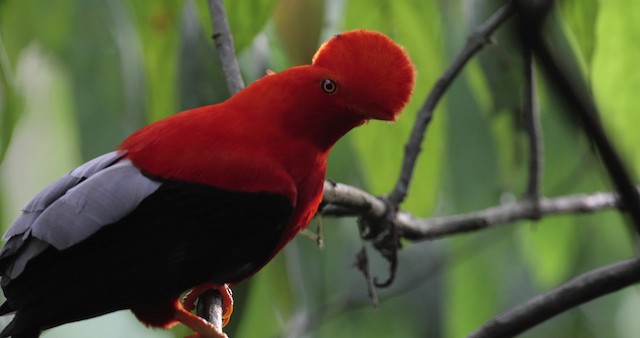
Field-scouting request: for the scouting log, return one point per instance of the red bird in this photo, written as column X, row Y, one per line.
column 198, row 200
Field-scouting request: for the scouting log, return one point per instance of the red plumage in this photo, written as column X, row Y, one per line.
column 215, row 177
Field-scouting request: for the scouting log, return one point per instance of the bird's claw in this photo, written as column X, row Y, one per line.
column 190, row 298
column 202, row 328
column 199, row 335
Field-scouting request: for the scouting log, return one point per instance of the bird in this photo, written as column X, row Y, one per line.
column 199, row 200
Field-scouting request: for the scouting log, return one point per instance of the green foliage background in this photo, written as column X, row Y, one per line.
column 77, row 76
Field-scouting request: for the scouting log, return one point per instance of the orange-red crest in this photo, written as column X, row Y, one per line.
column 374, row 76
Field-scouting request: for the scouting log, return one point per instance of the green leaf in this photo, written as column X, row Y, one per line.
column 387, row 321
column 550, row 248
column 480, row 268
column 580, row 18
column 158, row 27
column 472, row 183
column 246, row 19
column 500, row 62
column 307, row 17
column 17, row 31
column 616, row 76
column 200, row 77
column 10, row 100
column 50, row 23
column 45, row 137
column 107, row 76
column 270, row 300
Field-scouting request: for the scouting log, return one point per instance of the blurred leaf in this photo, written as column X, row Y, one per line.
column 387, row 321
column 45, row 137
column 484, row 277
column 416, row 26
column 157, row 23
column 270, row 301
column 500, row 62
column 512, row 147
column 607, row 237
column 475, row 275
column 298, row 24
column 471, row 156
column 616, row 75
column 101, row 61
column 472, row 163
column 494, row 78
column 10, row 100
column 550, row 247
column 17, row 30
column 580, row 17
column 50, row 23
column 628, row 325
column 472, row 183
column 200, row 78
column 115, row 324
column 246, row 19
column 107, row 76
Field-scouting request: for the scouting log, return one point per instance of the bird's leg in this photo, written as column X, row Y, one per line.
column 190, row 298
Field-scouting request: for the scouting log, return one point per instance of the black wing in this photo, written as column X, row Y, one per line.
column 180, row 236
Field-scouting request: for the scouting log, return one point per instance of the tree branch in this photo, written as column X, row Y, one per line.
column 209, row 307
column 209, row 304
column 476, row 41
column 345, row 200
column 360, row 203
column 534, row 132
column 584, row 288
column 224, row 46
column 423, row 229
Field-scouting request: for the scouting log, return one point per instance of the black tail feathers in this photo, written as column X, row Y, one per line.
column 5, row 308
column 9, row 332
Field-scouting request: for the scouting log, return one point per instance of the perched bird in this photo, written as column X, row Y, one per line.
column 202, row 199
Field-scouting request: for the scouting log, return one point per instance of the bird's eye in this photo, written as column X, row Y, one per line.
column 328, row 86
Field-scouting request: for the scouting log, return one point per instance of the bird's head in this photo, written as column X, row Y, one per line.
column 354, row 77
column 367, row 72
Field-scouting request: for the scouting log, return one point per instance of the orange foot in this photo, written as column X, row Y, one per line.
column 202, row 328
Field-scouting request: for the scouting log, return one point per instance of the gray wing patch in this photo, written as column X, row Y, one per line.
column 73, row 208
column 102, row 199
column 48, row 195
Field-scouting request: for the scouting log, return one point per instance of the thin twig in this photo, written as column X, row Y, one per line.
column 419, row 229
column 476, row 41
column 224, row 46
column 362, row 264
column 430, row 228
column 534, row 133
column 209, row 304
column 584, row 288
